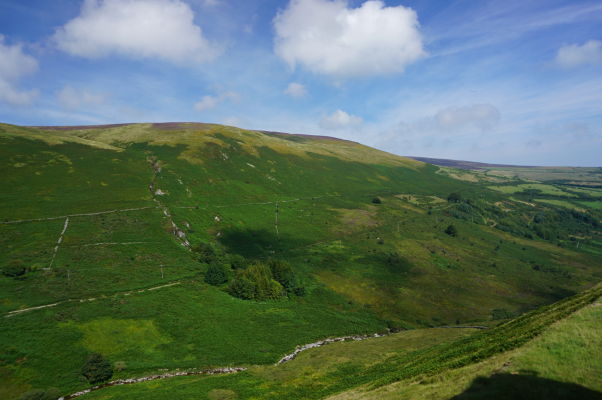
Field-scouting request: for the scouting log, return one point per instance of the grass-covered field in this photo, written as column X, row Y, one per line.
column 530, row 354
column 542, row 188
column 564, row 362
column 97, row 219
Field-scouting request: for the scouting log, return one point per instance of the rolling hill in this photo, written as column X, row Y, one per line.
column 109, row 234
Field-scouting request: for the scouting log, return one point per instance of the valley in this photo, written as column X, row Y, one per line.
column 193, row 247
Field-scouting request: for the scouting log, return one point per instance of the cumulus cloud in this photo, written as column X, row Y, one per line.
column 161, row 29
column 14, row 65
column 296, row 90
column 72, row 98
column 480, row 116
column 574, row 55
column 331, row 38
column 340, row 120
column 209, row 102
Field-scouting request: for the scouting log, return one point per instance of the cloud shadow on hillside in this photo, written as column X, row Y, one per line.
column 259, row 243
column 525, row 387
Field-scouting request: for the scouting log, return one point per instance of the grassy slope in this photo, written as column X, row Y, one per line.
column 533, row 356
column 339, row 243
column 563, row 363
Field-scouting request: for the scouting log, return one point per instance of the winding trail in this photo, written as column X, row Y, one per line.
column 76, row 215
column 111, row 244
column 100, row 297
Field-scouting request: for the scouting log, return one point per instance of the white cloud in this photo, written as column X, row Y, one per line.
column 331, row 38
column 574, row 55
column 481, row 116
column 296, row 90
column 209, row 102
column 72, row 99
column 14, row 64
column 161, row 29
column 340, row 120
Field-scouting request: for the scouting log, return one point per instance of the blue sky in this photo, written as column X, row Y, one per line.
column 508, row 82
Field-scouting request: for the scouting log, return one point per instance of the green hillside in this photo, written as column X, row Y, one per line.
column 531, row 357
column 108, row 234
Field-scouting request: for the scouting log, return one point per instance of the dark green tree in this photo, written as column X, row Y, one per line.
column 216, row 274
column 282, row 273
column 376, row 200
column 206, row 252
column 242, row 288
column 97, row 369
column 454, row 197
column 451, row 230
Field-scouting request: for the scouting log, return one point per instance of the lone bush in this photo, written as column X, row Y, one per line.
column 451, row 230
column 97, row 369
column 377, row 200
column 454, row 197
column 216, row 274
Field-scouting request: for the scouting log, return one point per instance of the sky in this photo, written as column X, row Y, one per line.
column 516, row 82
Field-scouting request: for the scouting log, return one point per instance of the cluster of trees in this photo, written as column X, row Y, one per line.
column 249, row 280
column 265, row 280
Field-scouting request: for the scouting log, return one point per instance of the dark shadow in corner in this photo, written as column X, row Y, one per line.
column 525, row 387
column 259, row 243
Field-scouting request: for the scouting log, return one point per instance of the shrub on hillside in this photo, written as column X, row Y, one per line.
column 97, row 369
column 216, row 274
column 14, row 269
column 377, row 200
column 238, row 262
column 282, row 273
column 454, row 197
column 242, row 287
column 451, row 230
column 205, row 252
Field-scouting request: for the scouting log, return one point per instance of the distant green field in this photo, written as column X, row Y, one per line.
column 581, row 175
column 588, row 191
column 544, row 189
column 592, row 204
column 561, row 203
